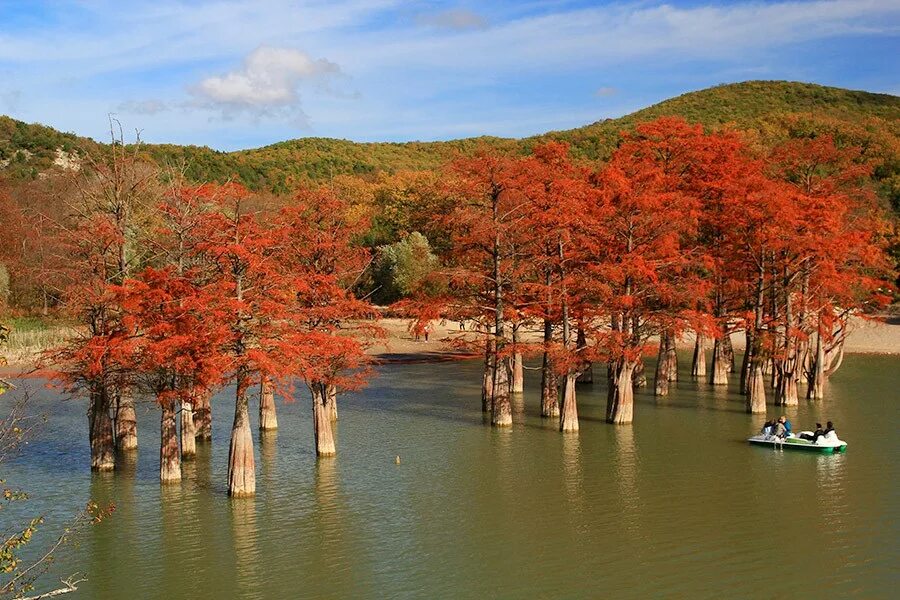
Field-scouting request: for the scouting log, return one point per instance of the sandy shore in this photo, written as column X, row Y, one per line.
column 399, row 345
column 866, row 337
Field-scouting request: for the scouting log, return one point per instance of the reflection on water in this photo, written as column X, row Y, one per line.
column 572, row 475
column 247, row 564
column 677, row 505
column 626, row 467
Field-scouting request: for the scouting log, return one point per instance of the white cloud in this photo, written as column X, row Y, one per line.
column 266, row 83
column 458, row 19
column 605, row 92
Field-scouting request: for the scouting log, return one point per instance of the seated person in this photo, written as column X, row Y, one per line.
column 778, row 430
column 830, row 433
column 815, row 435
column 767, row 428
column 787, row 426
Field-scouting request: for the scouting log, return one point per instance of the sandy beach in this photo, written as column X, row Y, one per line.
column 866, row 337
column 399, row 345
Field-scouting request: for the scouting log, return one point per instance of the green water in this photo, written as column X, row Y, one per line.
column 677, row 505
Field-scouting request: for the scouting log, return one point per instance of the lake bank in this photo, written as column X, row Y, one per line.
column 867, row 336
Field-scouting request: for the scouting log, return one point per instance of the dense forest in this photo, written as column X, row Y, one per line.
column 768, row 111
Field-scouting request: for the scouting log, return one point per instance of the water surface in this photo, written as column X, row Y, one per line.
column 676, row 505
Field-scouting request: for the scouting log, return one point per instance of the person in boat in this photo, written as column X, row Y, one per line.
column 787, row 425
column 778, row 429
column 766, row 428
column 829, row 432
column 812, row 437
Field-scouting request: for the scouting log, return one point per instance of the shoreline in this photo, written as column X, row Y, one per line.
column 866, row 337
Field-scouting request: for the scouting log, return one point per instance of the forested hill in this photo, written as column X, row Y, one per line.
column 767, row 108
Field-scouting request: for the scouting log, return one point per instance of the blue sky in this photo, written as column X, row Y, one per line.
column 234, row 75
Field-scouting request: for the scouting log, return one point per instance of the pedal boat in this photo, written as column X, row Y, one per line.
column 824, row 445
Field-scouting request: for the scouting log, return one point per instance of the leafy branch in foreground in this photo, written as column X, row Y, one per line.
column 19, row 575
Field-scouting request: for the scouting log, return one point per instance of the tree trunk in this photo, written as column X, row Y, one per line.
column 720, row 363
column 756, row 396
column 745, row 362
column 126, row 421
column 518, row 371
column 549, row 384
column 188, row 432
column 549, row 390
column 268, row 419
column 661, row 377
column 331, row 402
column 786, row 394
column 816, row 384
column 568, row 412
column 241, row 463
column 786, row 390
column 671, row 357
column 587, row 375
column 203, row 416
column 501, row 414
column 322, row 429
column 487, row 379
column 518, row 374
column 100, row 427
column 698, row 363
column 728, row 349
column 620, row 398
column 638, row 376
column 169, row 461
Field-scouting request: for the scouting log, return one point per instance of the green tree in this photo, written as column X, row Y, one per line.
column 403, row 268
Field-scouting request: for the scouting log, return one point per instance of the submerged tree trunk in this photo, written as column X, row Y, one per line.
column 815, row 389
column 638, row 377
column 100, row 427
column 169, row 460
column 549, row 385
column 241, row 462
column 202, row 416
column 322, row 429
column 331, row 402
column 587, row 375
column 745, row 362
column 501, row 414
column 487, row 379
column 756, row 392
column 698, row 363
column 517, row 385
column 620, row 398
column 671, row 357
column 268, row 419
column 719, row 375
column 661, row 387
column 786, row 390
column 728, row 349
column 188, row 431
column 126, row 421
column 568, row 412
column 518, row 374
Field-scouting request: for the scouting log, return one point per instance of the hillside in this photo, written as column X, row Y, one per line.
column 761, row 106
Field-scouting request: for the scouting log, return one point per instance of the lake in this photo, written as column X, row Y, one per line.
column 676, row 505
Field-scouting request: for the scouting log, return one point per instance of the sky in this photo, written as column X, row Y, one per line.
column 232, row 75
